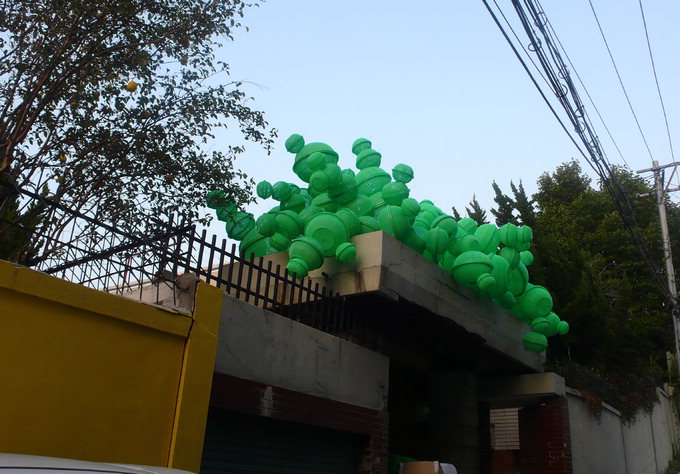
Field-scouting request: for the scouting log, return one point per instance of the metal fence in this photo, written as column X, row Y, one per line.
column 145, row 265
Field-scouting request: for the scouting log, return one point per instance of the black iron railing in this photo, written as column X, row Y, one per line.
column 146, row 264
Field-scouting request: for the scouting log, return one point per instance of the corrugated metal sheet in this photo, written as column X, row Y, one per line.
column 236, row 443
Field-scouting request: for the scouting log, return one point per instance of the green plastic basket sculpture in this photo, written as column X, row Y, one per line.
column 317, row 221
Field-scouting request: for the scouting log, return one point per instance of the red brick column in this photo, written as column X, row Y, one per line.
column 545, row 445
column 254, row 398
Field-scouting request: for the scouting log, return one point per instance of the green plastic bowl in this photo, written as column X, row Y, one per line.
column 301, row 167
column 368, row 158
column 468, row 267
column 393, row 221
column 379, row 203
column 413, row 239
column 266, row 224
column 467, row 225
column 296, row 203
column 279, row 242
column 294, row 143
column 534, row 342
column 324, row 201
column 297, row 267
column 536, row 301
column 519, row 277
column 562, row 328
column 281, row 191
column 329, row 230
column 526, row 257
column 215, row 199
column 553, row 323
column 361, row 205
column 360, row 144
column 448, row 223
column 402, row 173
column 345, row 191
column 463, row 243
column 410, row 207
column 394, row 193
column 488, row 237
column 437, row 241
column 501, row 273
column 540, row 325
column 264, row 189
column 239, row 225
column 368, row 224
column 316, row 161
column 511, row 255
column 371, row 180
column 289, row 223
column 256, row 243
column 308, row 212
column 351, row 221
column 307, row 249
column 346, row 252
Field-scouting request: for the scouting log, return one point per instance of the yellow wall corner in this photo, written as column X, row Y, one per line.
column 193, row 398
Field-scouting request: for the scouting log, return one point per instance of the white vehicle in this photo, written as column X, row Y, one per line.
column 25, row 464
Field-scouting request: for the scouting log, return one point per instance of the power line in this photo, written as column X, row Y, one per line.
column 585, row 89
column 566, row 94
column 656, row 79
column 507, row 38
column 620, row 80
column 520, row 42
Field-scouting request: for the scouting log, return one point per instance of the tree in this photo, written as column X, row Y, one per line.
column 475, row 212
column 598, row 279
column 585, row 257
column 504, row 212
column 523, row 205
column 110, row 105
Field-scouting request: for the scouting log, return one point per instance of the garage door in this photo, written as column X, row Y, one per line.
column 236, row 443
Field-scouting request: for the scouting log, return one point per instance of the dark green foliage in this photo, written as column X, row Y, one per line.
column 505, row 207
column 524, row 205
column 619, row 323
column 475, row 212
column 16, row 226
column 70, row 118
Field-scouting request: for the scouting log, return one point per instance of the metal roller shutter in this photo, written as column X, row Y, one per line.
column 236, row 443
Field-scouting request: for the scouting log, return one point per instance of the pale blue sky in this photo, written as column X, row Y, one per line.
column 433, row 84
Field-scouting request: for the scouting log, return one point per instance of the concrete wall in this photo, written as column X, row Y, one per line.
column 611, row 445
column 387, row 266
column 90, row 375
column 262, row 346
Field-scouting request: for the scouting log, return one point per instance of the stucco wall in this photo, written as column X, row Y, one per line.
column 89, row 375
column 612, row 445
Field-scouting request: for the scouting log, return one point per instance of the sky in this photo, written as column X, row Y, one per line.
column 433, row 84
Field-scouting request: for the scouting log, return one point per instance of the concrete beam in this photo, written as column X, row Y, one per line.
column 390, row 268
column 256, row 344
column 520, row 390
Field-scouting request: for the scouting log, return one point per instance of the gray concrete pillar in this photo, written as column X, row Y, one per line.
column 453, row 427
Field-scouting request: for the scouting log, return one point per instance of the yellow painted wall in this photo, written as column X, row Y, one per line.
column 89, row 375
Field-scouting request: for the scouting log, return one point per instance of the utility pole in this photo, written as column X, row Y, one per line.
column 660, row 193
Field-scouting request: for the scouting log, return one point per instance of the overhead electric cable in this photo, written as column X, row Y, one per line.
column 620, row 80
column 507, row 38
column 562, row 86
column 520, row 42
column 656, row 79
column 585, row 89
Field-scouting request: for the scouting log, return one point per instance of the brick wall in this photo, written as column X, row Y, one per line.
column 544, row 438
column 254, row 398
